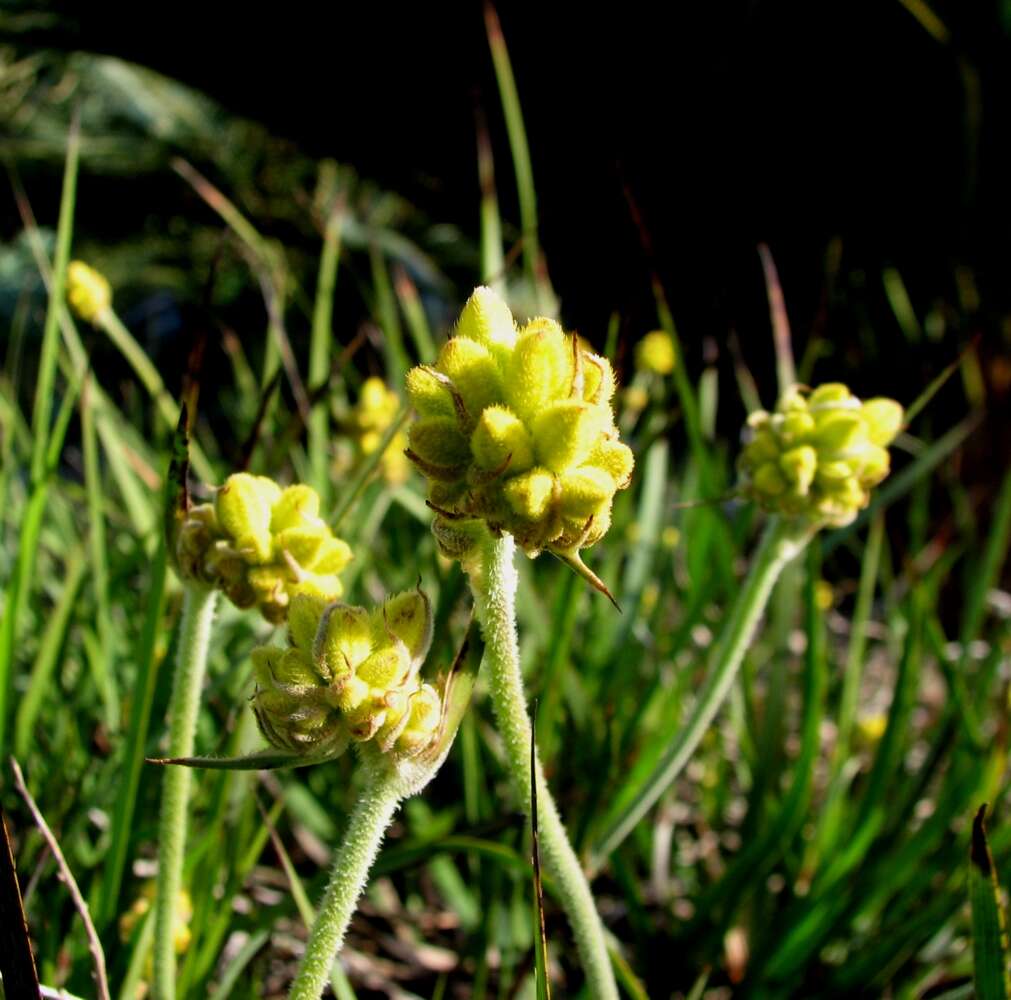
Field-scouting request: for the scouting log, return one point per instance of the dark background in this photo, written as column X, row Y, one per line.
column 806, row 125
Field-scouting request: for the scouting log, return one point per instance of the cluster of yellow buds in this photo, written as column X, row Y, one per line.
column 656, row 353
column 88, row 292
column 349, row 674
column 516, row 430
column 377, row 408
column 819, row 454
column 261, row 545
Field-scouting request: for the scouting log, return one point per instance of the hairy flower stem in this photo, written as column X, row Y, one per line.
column 782, row 541
column 493, row 581
column 194, row 638
column 372, row 815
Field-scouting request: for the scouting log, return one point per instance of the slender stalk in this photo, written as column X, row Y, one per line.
column 493, row 582
column 781, row 542
column 372, row 815
column 194, row 639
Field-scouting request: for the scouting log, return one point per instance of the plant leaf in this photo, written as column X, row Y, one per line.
column 261, row 760
column 989, row 931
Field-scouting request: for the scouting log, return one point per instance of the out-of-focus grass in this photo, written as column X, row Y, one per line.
column 817, row 843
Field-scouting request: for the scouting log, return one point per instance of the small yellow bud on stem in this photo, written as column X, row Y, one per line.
column 88, row 292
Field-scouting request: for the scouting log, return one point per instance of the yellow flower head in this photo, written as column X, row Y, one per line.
column 261, row 545
column 349, row 675
column 88, row 293
column 655, row 353
column 819, row 454
column 516, row 430
column 377, row 408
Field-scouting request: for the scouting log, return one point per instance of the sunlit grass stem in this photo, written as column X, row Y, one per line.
column 494, row 582
column 191, row 663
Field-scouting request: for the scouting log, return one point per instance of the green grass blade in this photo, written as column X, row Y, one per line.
column 989, row 930
column 857, row 647
column 139, row 956
column 365, row 470
column 901, row 483
column 147, row 659
column 626, row 976
column 414, row 313
column 778, row 830
column 517, row 143
column 44, row 387
column 542, row 984
column 388, row 317
column 935, row 385
column 99, row 563
column 40, row 678
column 23, row 574
column 235, row 968
column 994, row 554
column 319, row 353
column 833, row 809
column 902, row 305
column 779, row 544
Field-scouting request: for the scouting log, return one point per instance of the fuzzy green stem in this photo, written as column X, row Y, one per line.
column 194, row 639
column 493, row 582
column 781, row 542
column 372, row 815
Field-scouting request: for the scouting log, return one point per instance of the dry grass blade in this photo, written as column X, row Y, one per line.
column 785, row 368
column 17, row 964
column 94, row 945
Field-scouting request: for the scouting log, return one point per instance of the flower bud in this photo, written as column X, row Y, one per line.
column 377, row 408
column 515, row 429
column 423, row 716
column 819, row 454
column 261, row 545
column 349, row 675
column 88, row 292
column 655, row 353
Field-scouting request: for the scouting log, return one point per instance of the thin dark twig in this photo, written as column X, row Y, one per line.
column 17, row 964
column 318, row 393
column 94, row 945
column 246, row 453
